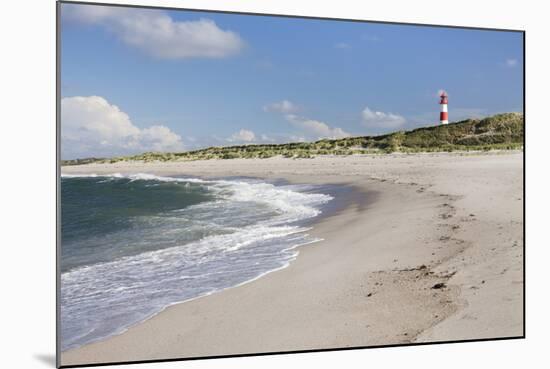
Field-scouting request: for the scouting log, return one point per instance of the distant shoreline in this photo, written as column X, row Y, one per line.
column 437, row 256
column 498, row 132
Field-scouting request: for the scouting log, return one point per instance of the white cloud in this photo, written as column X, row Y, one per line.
column 382, row 120
column 315, row 127
column 284, row 107
column 511, row 63
column 243, row 135
column 159, row 138
column 91, row 126
column 157, row 34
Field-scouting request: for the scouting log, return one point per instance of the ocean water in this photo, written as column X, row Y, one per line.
column 134, row 244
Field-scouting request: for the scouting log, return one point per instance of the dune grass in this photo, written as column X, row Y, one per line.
column 498, row 132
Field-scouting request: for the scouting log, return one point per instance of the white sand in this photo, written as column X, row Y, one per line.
column 415, row 221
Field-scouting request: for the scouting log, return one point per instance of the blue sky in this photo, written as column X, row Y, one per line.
column 138, row 80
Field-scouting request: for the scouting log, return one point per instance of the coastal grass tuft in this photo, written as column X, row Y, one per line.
column 498, row 132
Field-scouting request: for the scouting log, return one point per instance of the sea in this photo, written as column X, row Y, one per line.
column 133, row 245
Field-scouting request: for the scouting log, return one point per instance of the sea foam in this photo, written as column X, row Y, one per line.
column 249, row 229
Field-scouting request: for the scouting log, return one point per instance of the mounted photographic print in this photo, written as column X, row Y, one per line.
column 239, row 184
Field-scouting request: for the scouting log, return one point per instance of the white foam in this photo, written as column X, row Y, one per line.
column 104, row 299
column 91, row 175
column 296, row 205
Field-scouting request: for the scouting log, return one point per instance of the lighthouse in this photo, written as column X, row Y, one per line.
column 444, row 115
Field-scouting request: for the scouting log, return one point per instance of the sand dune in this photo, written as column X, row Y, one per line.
column 427, row 247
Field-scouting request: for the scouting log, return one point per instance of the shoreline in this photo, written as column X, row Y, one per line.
column 305, row 225
column 416, row 235
column 344, row 193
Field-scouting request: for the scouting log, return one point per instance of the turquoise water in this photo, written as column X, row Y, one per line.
column 133, row 245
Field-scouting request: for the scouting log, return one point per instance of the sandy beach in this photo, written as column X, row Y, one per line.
column 428, row 247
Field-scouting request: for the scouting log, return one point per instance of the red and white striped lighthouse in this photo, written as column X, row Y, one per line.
column 444, row 115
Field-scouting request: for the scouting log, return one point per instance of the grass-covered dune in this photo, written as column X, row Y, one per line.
column 498, row 132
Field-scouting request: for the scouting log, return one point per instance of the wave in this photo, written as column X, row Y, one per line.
column 257, row 228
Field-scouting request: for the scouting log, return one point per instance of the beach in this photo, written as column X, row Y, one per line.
column 425, row 248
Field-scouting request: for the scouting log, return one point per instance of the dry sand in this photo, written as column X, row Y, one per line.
column 414, row 222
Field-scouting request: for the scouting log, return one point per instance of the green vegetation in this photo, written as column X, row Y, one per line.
column 499, row 132
column 81, row 161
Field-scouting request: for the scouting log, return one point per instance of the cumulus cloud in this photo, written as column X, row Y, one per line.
column 243, row 135
column 284, row 107
column 380, row 119
column 155, row 33
column 159, row 138
column 91, row 126
column 316, row 128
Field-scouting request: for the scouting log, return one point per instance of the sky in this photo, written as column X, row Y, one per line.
column 136, row 80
